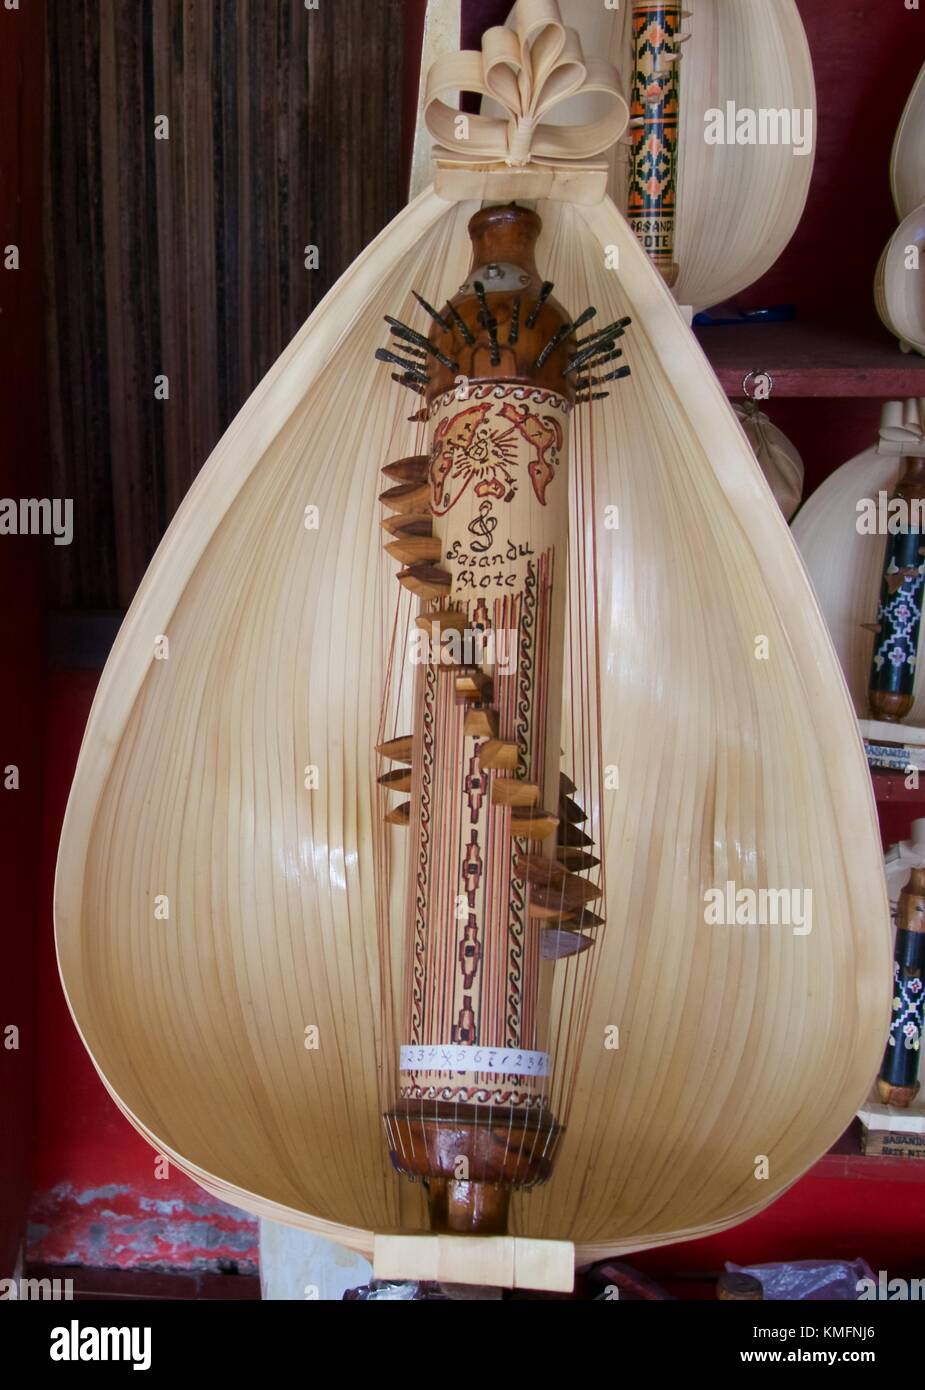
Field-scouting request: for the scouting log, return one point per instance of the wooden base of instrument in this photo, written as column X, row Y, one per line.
column 476, row 1208
column 889, row 707
column 471, row 1159
column 900, row 1096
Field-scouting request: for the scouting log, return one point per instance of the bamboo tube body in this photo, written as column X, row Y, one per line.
column 500, row 504
column 499, row 498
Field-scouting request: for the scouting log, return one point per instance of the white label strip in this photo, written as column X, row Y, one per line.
column 450, row 1057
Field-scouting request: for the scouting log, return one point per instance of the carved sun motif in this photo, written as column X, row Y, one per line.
column 482, row 448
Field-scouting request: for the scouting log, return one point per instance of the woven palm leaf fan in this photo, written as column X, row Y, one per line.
column 777, row 456
column 907, row 165
column 343, row 902
column 845, row 553
column 898, row 293
column 736, row 205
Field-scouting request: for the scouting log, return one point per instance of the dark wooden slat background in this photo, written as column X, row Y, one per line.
column 186, row 256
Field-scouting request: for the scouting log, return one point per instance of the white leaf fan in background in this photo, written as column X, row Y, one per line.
column 777, row 457
column 720, row 703
column 907, row 164
column 899, row 280
column 845, row 563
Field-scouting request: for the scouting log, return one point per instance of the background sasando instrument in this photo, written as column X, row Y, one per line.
column 735, row 206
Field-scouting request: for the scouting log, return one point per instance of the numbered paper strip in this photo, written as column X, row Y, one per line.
column 474, row 1059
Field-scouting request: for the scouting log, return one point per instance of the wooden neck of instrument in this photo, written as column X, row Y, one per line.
column 506, row 234
column 468, row 1208
column 470, row 1161
column 503, row 319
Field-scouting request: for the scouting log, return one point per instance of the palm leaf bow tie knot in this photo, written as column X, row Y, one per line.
column 526, row 70
column 902, row 428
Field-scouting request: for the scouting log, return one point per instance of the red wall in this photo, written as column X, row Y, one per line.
column 96, row 1199
column 847, row 1207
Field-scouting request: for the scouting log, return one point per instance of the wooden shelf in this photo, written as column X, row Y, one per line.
column 845, row 1160
column 814, row 359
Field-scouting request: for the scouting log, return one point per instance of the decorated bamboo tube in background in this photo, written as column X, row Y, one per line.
column 898, row 1083
column 654, row 121
column 899, row 615
column 491, row 901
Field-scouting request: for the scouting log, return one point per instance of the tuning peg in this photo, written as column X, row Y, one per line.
column 415, row 550
column 512, row 791
column 446, row 619
column 397, row 750
column 408, row 524
column 571, row 835
column 571, row 811
column 481, row 722
column 474, row 685
column 412, row 369
column 549, row 916
column 408, row 470
column 499, row 755
column 533, row 824
column 559, row 945
column 576, row 859
column 427, row 581
column 398, row 780
column 411, row 385
column 406, row 497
